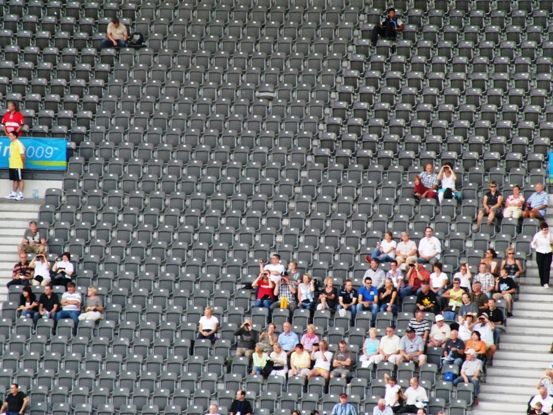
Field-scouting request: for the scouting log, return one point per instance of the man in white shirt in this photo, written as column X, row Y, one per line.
column 544, row 398
column 430, row 248
column 275, row 268
column 415, row 397
column 439, row 332
column 70, row 305
column 393, row 391
column 406, row 251
column 388, row 348
column 485, row 327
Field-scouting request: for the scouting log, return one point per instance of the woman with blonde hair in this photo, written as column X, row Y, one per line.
column 306, row 290
column 208, row 325
column 511, row 264
column 259, row 358
column 279, row 359
column 370, row 349
column 309, row 338
column 328, row 297
column 94, row 306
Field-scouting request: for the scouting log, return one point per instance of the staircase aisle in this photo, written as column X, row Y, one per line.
column 14, row 219
column 524, row 349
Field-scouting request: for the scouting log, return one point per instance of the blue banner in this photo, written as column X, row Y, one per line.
column 40, row 153
column 550, row 168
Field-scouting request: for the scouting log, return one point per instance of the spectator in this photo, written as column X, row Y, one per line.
column 464, row 275
column 27, row 303
column 537, row 203
column 306, row 292
column 411, row 348
column 415, row 397
column 293, row 271
column 13, row 120
column 41, row 267
column 420, row 325
column 419, row 190
column 469, row 306
column 22, row 272
column 348, row 298
column 427, row 300
column 387, row 297
column 537, row 409
column 247, row 339
column 342, row 361
column 511, row 264
column 376, row 274
column 470, row 373
column 309, row 339
column 439, row 333
column 491, row 206
column 429, row 181
column 117, row 36
column 386, row 251
column 328, row 297
column 286, row 291
column 485, row 279
column 259, row 358
column 438, row 279
column 475, row 342
column 430, row 248
column 406, row 252
column 63, row 270
column 213, row 410
column 208, row 325
column 421, row 411
column 275, row 268
column 416, row 275
column 343, row 407
column 240, row 406
column 388, row 349
column 546, row 381
column 94, row 306
column 455, row 296
column 16, row 401
column 454, row 349
column 300, row 362
column 496, row 318
column 478, row 297
column 370, row 349
column 490, row 259
column 465, row 322
column 541, row 243
column 543, row 398
column 16, row 162
column 486, row 329
column 33, row 241
column 70, row 305
column 322, row 358
column 393, row 393
column 268, row 338
column 382, row 409
column 368, row 299
column 395, row 275
column 288, row 339
column 505, row 287
column 514, row 204
column 265, row 290
column 279, row 359
column 387, row 29
column 48, row 304
column 447, row 177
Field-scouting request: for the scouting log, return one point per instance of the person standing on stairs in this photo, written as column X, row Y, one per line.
column 541, row 243
column 17, row 164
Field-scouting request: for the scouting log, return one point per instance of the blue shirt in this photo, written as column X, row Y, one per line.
column 368, row 295
column 387, row 411
column 346, row 409
column 288, row 341
column 539, row 199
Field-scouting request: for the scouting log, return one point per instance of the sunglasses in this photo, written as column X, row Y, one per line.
column 510, row 253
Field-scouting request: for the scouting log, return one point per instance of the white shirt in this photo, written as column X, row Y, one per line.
column 208, row 324
column 542, row 243
column 282, row 356
column 416, row 395
column 437, row 280
column 41, row 269
column 396, row 278
column 440, row 334
column 386, row 247
column 405, row 248
column 391, row 394
column 320, row 363
column 547, row 402
column 390, row 345
column 76, row 296
column 486, row 332
column 464, row 332
column 465, row 282
column 448, row 182
column 429, row 246
column 279, row 268
column 67, row 266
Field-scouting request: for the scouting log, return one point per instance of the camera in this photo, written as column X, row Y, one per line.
column 261, row 261
column 247, row 325
column 412, row 265
column 315, row 344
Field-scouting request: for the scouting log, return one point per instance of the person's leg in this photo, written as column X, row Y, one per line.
column 491, row 216
column 481, row 213
column 422, row 359
column 60, row 315
column 540, row 259
column 292, row 307
column 405, row 291
column 458, row 380
column 509, row 300
column 547, row 267
column 248, row 353
column 106, row 43
column 374, row 311
column 357, row 308
column 458, row 362
column 121, row 44
column 275, row 305
column 476, row 384
column 376, row 253
column 496, row 335
column 36, row 317
column 258, row 303
column 517, row 213
column 491, row 351
column 374, row 37
column 267, row 303
column 422, row 261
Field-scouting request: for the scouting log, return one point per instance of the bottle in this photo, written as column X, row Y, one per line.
column 45, row 316
column 35, row 193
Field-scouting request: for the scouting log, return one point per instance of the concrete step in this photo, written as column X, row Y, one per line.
column 495, row 372
column 9, row 257
column 524, row 340
column 548, row 315
column 16, row 214
column 496, row 381
column 533, row 348
column 526, row 357
column 20, row 224
column 517, row 321
column 534, row 289
column 499, row 397
column 545, row 297
column 512, row 390
column 521, row 364
column 11, row 240
column 11, row 232
column 489, row 407
column 27, row 205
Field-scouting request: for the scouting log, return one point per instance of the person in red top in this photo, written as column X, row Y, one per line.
column 265, row 288
column 417, row 274
column 13, row 120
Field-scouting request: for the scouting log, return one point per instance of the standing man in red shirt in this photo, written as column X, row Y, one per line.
column 13, row 120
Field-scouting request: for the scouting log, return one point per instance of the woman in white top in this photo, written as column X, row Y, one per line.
column 208, row 325
column 279, row 359
column 465, row 276
column 386, row 251
column 438, row 280
column 42, row 269
column 513, row 204
column 542, row 245
column 448, row 177
column 63, row 270
column 306, row 290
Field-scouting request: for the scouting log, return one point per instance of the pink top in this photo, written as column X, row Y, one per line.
column 308, row 341
column 511, row 199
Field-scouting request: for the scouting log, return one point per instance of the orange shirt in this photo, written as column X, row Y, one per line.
column 478, row 346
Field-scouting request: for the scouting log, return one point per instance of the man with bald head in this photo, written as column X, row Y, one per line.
column 429, row 180
column 382, row 409
column 213, row 410
column 537, row 203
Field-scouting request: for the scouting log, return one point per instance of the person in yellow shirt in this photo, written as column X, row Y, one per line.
column 300, row 362
column 16, row 164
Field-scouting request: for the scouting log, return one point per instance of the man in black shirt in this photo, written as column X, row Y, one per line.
column 240, row 406
column 454, row 349
column 388, row 28
column 16, row 401
column 497, row 318
column 348, row 298
column 491, row 205
column 247, row 338
column 48, row 304
column 427, row 300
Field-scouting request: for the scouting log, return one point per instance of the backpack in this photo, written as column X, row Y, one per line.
column 136, row 39
column 449, row 377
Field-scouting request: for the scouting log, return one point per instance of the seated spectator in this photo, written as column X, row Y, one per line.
column 469, row 306
column 537, row 409
column 430, row 248
column 427, row 301
column 478, row 297
column 447, row 177
column 546, row 381
column 287, row 339
column 505, row 287
column 375, row 273
column 41, row 267
column 240, row 406
column 213, row 410
column 208, row 325
column 328, row 297
column 465, row 322
column 293, row 271
column 279, row 359
column 476, row 343
column 309, row 339
column 537, row 203
column 33, row 241
column 48, row 305
column 27, row 303
column 415, row 397
column 382, row 409
column 420, row 192
column 470, row 373
column 439, row 333
column 490, row 259
column 386, row 251
column 420, row 325
column 275, row 268
column 247, row 339
column 465, row 276
column 438, row 280
column 94, row 306
column 411, row 348
column 491, row 206
column 455, row 297
column 286, row 291
column 388, row 28
column 322, row 358
column 406, row 252
column 496, row 318
column 388, row 349
column 395, row 275
column 393, row 393
column 542, row 243
column 268, row 338
column 429, row 181
column 486, row 328
column 265, row 290
column 454, row 349
column 117, row 35
column 306, row 292
column 511, row 264
column 300, row 362
column 343, row 407
column 368, row 299
column 259, row 358
column 22, row 272
column 514, row 204
column 16, row 401
column 370, row 349
column 70, row 305
column 342, row 362
column 485, row 279
column 416, row 275
column 63, row 270
column 543, row 398
column 347, row 298
column 387, row 297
